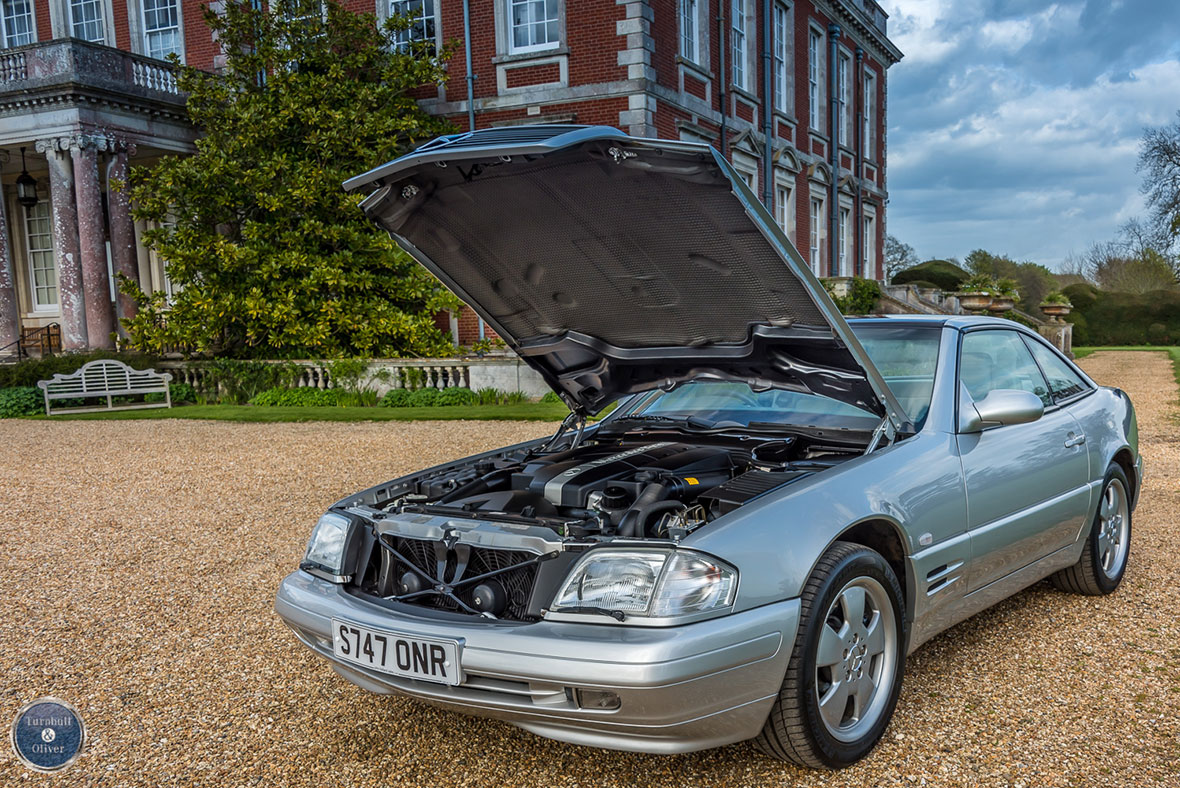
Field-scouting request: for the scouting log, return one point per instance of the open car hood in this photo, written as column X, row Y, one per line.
column 614, row 264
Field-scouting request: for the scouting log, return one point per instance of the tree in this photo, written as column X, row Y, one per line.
column 1159, row 161
column 267, row 254
column 898, row 256
column 1033, row 281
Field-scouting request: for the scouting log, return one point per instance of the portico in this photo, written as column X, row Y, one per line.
column 84, row 114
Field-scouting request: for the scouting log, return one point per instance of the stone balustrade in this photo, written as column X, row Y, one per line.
column 49, row 67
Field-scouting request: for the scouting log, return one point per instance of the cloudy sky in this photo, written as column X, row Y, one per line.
column 1014, row 124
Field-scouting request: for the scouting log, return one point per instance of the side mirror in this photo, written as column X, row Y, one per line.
column 1000, row 408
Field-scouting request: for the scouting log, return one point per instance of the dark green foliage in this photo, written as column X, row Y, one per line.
column 861, row 299
column 423, row 398
column 941, row 273
column 272, row 257
column 457, row 396
column 297, row 398
column 922, row 284
column 236, row 382
column 515, row 398
column 490, row 396
column 551, row 397
column 28, row 372
column 396, row 398
column 180, row 392
column 21, row 401
column 1082, row 295
column 1105, row 318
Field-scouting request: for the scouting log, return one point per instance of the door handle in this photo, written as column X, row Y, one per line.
column 1072, row 440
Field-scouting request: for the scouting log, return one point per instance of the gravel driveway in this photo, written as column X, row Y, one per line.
column 138, row 561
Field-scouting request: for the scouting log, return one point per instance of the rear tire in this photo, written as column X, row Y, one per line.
column 846, row 666
column 1104, row 558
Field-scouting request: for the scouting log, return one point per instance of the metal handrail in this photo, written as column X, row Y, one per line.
column 47, row 336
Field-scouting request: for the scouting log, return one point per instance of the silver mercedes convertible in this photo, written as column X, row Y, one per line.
column 782, row 505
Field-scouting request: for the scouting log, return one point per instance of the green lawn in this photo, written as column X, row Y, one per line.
column 529, row 411
column 1173, row 352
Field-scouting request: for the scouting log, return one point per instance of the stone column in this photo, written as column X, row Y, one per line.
column 123, row 257
column 65, row 244
column 96, row 283
column 9, row 306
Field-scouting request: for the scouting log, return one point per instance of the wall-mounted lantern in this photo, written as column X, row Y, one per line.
column 26, row 185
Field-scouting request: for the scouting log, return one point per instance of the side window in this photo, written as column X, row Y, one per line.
column 1063, row 381
column 993, row 360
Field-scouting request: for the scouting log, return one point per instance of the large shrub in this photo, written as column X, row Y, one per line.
column 21, row 401
column 941, row 273
column 395, row 398
column 423, row 398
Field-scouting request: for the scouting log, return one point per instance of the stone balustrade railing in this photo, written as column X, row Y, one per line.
column 69, row 63
column 506, row 374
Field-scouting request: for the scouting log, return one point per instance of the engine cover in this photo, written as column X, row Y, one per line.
column 567, row 478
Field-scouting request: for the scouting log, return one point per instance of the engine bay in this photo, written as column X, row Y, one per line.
column 635, row 487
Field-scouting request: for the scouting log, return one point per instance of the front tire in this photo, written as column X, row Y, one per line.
column 1103, row 563
column 845, row 671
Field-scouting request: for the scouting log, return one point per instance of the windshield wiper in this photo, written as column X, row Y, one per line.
column 693, row 423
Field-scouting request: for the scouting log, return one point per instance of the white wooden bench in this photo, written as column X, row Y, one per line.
column 106, row 378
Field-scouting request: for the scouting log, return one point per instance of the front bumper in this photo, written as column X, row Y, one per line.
column 681, row 688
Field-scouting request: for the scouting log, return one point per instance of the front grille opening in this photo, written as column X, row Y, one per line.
column 384, row 571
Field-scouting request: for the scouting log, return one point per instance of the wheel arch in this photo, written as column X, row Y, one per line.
column 1126, row 462
column 888, row 538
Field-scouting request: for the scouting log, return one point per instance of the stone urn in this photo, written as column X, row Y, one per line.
column 1056, row 312
column 974, row 302
column 1001, row 304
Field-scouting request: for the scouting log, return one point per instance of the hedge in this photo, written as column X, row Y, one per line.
column 1105, row 318
column 21, row 401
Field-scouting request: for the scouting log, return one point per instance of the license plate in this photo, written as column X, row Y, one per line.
column 402, row 655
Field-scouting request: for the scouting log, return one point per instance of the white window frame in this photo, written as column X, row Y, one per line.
column 784, row 207
column 814, row 101
column 30, row 251
column 843, row 69
column 738, row 51
column 868, row 266
column 781, row 37
column 816, row 234
column 405, row 37
column 844, row 219
column 146, row 34
column 509, row 27
column 870, row 112
column 103, row 19
column 689, row 31
column 6, row 36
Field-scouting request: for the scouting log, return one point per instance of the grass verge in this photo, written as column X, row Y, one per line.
column 529, row 411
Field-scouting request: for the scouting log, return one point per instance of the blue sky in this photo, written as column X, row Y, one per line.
column 1014, row 124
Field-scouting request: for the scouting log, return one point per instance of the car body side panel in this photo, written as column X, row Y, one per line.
column 1027, row 492
column 1108, row 418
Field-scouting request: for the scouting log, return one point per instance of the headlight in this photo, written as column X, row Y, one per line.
column 328, row 548
column 647, row 583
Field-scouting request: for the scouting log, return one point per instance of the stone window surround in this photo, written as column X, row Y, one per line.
column 818, row 235
column 751, row 52
column 784, row 180
column 21, row 265
column 704, row 25
column 383, row 14
column 503, row 23
column 32, row 21
column 869, row 88
column 868, row 252
column 845, row 64
column 62, row 24
column 139, row 34
column 815, row 109
column 786, row 90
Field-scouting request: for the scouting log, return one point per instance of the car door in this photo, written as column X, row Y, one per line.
column 1026, row 483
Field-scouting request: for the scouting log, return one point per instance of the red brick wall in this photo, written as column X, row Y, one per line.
column 44, row 26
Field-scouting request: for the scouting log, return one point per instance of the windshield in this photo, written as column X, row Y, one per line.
column 906, row 356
